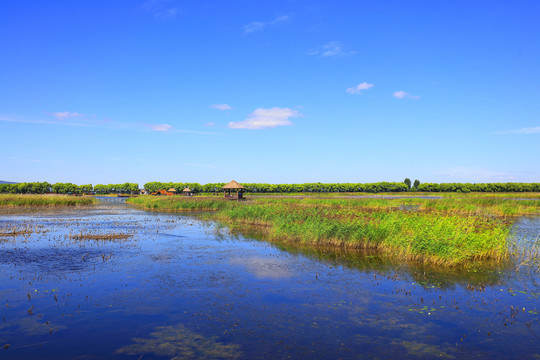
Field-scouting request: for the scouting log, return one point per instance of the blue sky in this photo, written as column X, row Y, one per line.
column 269, row 91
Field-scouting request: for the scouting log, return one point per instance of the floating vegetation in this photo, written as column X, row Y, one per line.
column 15, row 232
column 178, row 342
column 423, row 350
column 19, row 229
column 104, row 237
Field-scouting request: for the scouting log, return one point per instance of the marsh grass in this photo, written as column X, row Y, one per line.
column 21, row 200
column 179, row 204
column 525, row 253
column 446, row 231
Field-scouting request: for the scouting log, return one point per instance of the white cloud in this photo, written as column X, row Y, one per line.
column 159, row 127
column 66, row 114
column 402, row 95
column 359, row 88
column 210, row 124
column 333, row 48
column 266, row 118
column 221, row 106
column 160, row 9
column 527, row 130
column 258, row 25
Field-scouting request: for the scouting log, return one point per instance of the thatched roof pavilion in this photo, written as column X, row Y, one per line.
column 233, row 185
column 187, row 192
column 172, row 190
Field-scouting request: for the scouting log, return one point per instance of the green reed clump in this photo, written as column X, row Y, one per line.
column 178, row 203
column 433, row 237
column 44, row 200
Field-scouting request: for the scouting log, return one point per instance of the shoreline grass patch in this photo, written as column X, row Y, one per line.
column 10, row 200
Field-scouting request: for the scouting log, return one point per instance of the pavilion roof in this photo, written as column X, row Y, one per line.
column 186, row 190
column 233, row 185
column 171, row 190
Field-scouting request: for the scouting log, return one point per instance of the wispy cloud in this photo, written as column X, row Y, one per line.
column 527, row 130
column 221, row 106
column 46, row 122
column 207, row 166
column 159, row 127
column 254, row 26
column 105, row 124
column 474, row 174
column 333, row 48
column 402, row 95
column 160, row 8
column 263, row 118
column 210, row 123
column 195, row 132
column 359, row 88
column 66, row 114
column 258, row 25
column 20, row 160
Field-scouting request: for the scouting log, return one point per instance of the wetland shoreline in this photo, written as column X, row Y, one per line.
column 178, row 285
column 446, row 231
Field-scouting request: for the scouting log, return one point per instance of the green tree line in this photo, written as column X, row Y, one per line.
column 116, row 188
column 66, row 188
column 69, row 188
column 479, row 187
column 283, row 188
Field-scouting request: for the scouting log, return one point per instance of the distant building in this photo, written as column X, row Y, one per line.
column 187, row 192
column 230, row 189
column 162, row 192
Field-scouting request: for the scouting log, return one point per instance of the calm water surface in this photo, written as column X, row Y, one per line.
column 182, row 288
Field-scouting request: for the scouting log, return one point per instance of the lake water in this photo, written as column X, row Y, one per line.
column 178, row 287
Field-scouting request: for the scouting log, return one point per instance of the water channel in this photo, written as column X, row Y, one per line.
column 177, row 287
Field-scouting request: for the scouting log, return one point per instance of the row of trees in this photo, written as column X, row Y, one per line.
column 194, row 187
column 44, row 187
column 69, row 188
column 284, row 188
column 124, row 188
column 407, row 182
column 66, row 188
column 480, row 187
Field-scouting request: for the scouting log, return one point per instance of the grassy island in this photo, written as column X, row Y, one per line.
column 442, row 231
